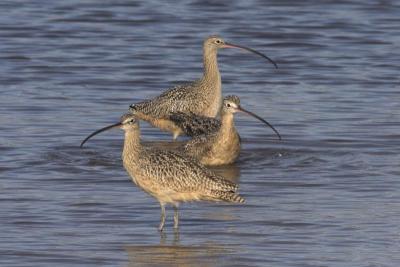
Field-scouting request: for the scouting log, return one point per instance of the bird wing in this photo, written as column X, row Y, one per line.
column 177, row 99
column 175, row 172
column 199, row 145
column 195, row 125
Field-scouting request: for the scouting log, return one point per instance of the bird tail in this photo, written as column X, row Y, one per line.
column 228, row 196
column 237, row 199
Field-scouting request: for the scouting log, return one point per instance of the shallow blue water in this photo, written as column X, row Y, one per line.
column 327, row 195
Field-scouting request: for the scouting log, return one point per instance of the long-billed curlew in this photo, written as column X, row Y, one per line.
column 202, row 97
column 170, row 177
column 215, row 142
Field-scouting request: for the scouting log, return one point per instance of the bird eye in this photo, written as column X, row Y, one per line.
column 228, row 105
column 218, row 41
column 132, row 121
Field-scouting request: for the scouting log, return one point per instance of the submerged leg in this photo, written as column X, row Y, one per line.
column 176, row 217
column 162, row 221
column 175, row 136
column 176, row 133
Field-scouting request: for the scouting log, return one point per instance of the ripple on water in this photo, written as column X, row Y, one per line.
column 327, row 194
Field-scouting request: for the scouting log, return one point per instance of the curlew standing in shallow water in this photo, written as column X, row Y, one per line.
column 215, row 142
column 202, row 97
column 167, row 176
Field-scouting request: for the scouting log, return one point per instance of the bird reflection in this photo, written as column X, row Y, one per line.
column 163, row 237
column 176, row 255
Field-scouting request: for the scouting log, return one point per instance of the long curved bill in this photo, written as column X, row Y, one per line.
column 261, row 119
column 99, row 131
column 229, row 45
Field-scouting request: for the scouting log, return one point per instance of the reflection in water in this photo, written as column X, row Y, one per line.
column 327, row 194
column 175, row 254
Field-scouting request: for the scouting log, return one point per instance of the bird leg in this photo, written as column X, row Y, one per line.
column 162, row 221
column 176, row 217
column 175, row 136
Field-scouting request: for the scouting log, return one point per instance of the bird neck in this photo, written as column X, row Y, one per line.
column 227, row 123
column 211, row 72
column 132, row 144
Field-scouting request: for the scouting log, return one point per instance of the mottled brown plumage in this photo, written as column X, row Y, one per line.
column 219, row 141
column 195, row 125
column 170, row 177
column 202, row 97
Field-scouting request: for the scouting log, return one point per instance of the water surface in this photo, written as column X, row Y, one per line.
column 327, row 195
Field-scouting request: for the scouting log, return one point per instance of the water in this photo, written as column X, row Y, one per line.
column 327, row 195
